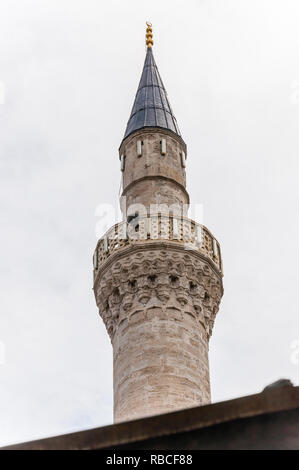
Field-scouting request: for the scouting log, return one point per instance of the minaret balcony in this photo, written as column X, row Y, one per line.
column 158, row 229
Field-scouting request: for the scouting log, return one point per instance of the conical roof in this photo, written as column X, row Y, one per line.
column 151, row 106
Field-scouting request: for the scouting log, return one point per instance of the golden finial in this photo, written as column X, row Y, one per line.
column 149, row 35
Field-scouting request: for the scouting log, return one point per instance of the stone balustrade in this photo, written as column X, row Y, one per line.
column 159, row 228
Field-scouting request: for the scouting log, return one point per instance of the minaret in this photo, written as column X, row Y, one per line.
column 157, row 274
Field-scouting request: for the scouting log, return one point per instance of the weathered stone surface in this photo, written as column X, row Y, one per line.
column 158, row 286
column 159, row 308
column 153, row 178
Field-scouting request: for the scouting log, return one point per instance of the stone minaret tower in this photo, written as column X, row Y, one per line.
column 157, row 274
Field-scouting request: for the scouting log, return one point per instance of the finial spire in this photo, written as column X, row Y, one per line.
column 149, row 35
column 151, row 106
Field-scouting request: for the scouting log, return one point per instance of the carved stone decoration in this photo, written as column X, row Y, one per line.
column 157, row 273
column 159, row 308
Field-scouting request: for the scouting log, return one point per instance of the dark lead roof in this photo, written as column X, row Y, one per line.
column 151, row 106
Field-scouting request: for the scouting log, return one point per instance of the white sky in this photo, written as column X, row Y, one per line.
column 70, row 69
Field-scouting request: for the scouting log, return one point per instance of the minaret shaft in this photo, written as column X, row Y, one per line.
column 158, row 275
column 152, row 179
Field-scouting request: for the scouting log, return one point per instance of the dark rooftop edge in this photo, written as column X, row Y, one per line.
column 269, row 401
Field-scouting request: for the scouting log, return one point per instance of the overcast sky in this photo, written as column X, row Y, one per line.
column 69, row 70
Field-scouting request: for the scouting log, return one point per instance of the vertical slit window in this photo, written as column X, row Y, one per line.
column 163, row 147
column 122, row 163
column 139, row 148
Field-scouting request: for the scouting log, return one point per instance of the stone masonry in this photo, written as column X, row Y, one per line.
column 159, row 286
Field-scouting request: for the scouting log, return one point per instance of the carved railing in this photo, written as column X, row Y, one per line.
column 157, row 228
